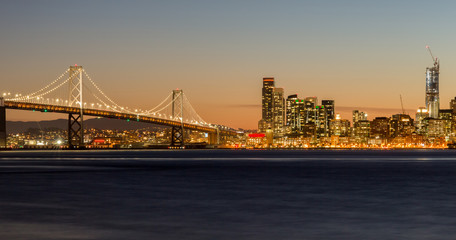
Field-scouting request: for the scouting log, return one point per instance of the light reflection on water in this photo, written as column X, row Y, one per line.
column 241, row 195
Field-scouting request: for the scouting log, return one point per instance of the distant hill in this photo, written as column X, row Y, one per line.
column 98, row 123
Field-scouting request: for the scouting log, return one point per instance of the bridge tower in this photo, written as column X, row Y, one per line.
column 177, row 132
column 2, row 123
column 75, row 120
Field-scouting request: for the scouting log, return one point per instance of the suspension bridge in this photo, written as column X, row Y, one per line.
column 76, row 94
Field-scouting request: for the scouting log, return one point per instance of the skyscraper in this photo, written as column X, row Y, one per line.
column 278, row 113
column 327, row 107
column 295, row 114
column 267, row 105
column 432, row 88
column 310, row 109
column 268, row 88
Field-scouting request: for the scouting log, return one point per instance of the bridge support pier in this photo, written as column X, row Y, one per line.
column 177, row 136
column 2, row 124
column 214, row 138
column 75, row 131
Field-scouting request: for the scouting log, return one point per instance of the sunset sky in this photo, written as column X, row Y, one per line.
column 363, row 54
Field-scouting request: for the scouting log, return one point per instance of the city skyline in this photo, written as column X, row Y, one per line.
column 218, row 53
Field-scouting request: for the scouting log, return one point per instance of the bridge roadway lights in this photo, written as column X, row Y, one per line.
column 2, row 124
column 75, row 131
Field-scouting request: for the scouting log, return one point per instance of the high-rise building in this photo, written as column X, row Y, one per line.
column 357, row 116
column 361, row 131
column 267, row 105
column 432, row 89
column 322, row 123
column 447, row 116
column 435, row 127
column 453, row 118
column 380, row 128
column 310, row 109
column 278, row 117
column 339, row 127
column 329, row 109
column 325, row 113
column 401, row 125
column 295, row 114
column 453, row 105
column 421, row 114
column 267, row 90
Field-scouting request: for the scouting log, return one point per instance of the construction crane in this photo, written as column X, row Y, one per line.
column 435, row 60
column 402, row 105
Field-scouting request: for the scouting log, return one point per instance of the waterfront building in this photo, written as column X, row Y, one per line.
column 256, row 140
column 263, row 125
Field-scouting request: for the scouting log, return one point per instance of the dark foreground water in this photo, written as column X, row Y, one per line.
column 228, row 195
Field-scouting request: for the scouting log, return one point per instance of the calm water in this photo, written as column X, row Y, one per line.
column 228, row 195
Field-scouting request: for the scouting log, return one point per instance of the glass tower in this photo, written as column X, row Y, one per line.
column 432, row 90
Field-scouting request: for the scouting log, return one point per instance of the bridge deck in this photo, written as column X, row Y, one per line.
column 109, row 114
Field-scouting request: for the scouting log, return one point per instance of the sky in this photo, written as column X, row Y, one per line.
column 363, row 54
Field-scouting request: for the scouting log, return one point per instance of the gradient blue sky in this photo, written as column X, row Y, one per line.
column 363, row 54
